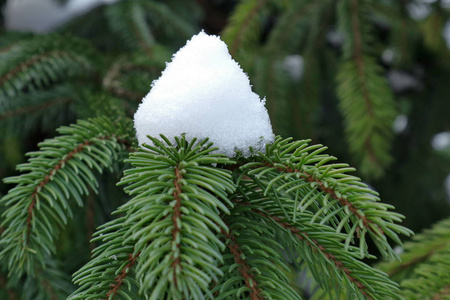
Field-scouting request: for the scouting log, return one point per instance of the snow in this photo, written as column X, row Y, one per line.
column 43, row 16
column 294, row 66
column 400, row 123
column 441, row 141
column 204, row 93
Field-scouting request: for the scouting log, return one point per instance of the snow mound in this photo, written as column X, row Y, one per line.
column 204, row 93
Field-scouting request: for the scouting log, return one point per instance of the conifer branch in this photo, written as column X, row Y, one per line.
column 111, row 272
column 243, row 24
column 30, row 62
column 369, row 224
column 366, row 100
column 423, row 269
column 443, row 293
column 358, row 57
column 111, row 83
column 182, row 195
column 314, row 243
column 41, row 60
column 176, row 217
column 61, row 171
column 48, row 178
column 119, row 280
column 253, row 267
column 8, row 47
column 300, row 174
column 45, row 109
column 33, row 108
column 244, row 268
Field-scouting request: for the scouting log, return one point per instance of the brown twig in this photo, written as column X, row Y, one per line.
column 175, row 218
column 244, row 268
column 120, row 278
column 47, row 179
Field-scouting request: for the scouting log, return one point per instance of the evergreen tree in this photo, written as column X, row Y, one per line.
column 251, row 222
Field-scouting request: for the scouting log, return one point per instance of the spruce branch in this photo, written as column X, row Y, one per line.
column 45, row 109
column 177, row 191
column 38, row 207
column 299, row 173
column 244, row 268
column 293, row 24
column 430, row 245
column 111, row 272
column 165, row 18
column 28, row 109
column 253, row 266
column 38, row 61
column 244, row 26
column 366, row 100
column 120, row 278
column 127, row 17
column 349, row 272
column 49, row 283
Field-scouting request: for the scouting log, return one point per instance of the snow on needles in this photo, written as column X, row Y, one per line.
column 204, row 93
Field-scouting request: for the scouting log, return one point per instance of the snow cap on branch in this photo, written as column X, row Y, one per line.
column 204, row 93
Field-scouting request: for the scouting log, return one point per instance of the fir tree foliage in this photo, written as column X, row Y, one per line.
column 200, row 231
column 423, row 269
column 196, row 224
column 263, row 33
column 365, row 97
column 62, row 171
column 37, row 62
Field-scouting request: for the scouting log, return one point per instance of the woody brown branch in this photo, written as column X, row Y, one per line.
column 175, row 218
column 315, row 245
column 244, row 268
column 123, row 274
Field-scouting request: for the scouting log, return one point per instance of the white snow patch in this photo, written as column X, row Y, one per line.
column 204, row 93
column 388, row 56
column 41, row 16
column 400, row 123
column 294, row 66
column 441, row 141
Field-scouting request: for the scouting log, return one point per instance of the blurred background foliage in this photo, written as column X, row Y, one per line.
column 369, row 79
